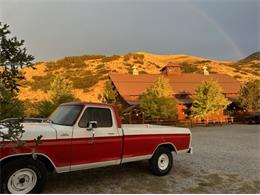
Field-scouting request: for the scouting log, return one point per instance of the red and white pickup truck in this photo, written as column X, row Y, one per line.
column 81, row 136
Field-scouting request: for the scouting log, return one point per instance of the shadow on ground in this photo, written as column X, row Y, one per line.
column 136, row 178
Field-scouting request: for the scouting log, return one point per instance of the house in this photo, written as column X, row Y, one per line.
column 131, row 86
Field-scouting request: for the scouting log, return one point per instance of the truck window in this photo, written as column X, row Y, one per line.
column 66, row 114
column 101, row 115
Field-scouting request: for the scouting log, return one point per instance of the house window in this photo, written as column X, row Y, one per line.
column 101, row 115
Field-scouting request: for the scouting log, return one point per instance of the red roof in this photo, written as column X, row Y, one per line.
column 131, row 86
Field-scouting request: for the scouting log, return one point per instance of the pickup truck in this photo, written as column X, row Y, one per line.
column 80, row 136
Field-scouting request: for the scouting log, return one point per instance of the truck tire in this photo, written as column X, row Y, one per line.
column 161, row 162
column 24, row 175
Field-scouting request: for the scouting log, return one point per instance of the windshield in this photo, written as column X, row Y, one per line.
column 66, row 114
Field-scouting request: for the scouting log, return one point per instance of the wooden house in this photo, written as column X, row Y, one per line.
column 131, row 86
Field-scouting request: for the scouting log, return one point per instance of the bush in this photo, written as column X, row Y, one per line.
column 85, row 82
column 51, row 66
column 102, row 71
column 41, row 82
column 100, row 66
column 138, row 62
column 188, row 68
column 143, row 72
column 45, row 108
column 110, row 58
column 237, row 77
column 203, row 62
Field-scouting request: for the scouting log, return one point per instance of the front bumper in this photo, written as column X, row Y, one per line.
column 190, row 151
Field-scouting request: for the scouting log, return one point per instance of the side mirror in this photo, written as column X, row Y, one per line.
column 91, row 125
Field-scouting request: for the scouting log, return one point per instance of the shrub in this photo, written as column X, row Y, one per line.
column 139, row 62
column 237, row 77
column 45, row 108
column 143, row 72
column 100, row 66
column 110, row 58
column 188, row 68
column 102, row 71
column 42, row 82
column 203, row 62
column 85, row 82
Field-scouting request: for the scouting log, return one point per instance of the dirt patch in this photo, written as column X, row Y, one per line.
column 223, row 183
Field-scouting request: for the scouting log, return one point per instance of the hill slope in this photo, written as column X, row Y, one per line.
column 88, row 73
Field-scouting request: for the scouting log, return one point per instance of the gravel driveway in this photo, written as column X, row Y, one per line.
column 226, row 159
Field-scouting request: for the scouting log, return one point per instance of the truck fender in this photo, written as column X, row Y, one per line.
column 42, row 157
column 168, row 145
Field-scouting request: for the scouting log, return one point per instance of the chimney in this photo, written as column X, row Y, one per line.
column 171, row 68
column 205, row 70
column 135, row 71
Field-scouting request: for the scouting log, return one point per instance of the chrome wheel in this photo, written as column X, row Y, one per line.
column 163, row 161
column 22, row 181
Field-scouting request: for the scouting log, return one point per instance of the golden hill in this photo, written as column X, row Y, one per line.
column 88, row 73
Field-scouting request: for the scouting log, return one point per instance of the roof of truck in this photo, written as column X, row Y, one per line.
column 86, row 103
column 97, row 104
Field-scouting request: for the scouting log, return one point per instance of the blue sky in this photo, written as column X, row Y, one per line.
column 216, row 29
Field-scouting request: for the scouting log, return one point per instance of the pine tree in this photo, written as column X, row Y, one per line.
column 60, row 92
column 13, row 57
column 109, row 95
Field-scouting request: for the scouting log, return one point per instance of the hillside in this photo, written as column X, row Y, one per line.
column 88, row 73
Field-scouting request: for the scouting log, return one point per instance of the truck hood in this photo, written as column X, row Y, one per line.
column 33, row 130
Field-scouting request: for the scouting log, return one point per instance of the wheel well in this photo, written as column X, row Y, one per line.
column 171, row 147
column 50, row 167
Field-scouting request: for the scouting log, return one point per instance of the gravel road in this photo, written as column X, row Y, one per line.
column 226, row 159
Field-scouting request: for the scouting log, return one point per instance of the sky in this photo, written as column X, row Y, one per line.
column 215, row 29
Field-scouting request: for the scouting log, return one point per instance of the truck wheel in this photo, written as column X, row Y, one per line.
column 161, row 162
column 24, row 175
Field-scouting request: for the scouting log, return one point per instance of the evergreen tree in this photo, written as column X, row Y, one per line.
column 11, row 107
column 208, row 99
column 250, row 95
column 109, row 94
column 13, row 57
column 157, row 101
column 60, row 92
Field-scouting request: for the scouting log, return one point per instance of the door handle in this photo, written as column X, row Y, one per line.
column 111, row 133
column 92, row 138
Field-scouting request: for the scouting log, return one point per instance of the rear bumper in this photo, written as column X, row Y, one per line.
column 190, row 151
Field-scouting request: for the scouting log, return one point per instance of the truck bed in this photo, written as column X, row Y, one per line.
column 135, row 129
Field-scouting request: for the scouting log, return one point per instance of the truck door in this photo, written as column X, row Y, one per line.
column 100, row 146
